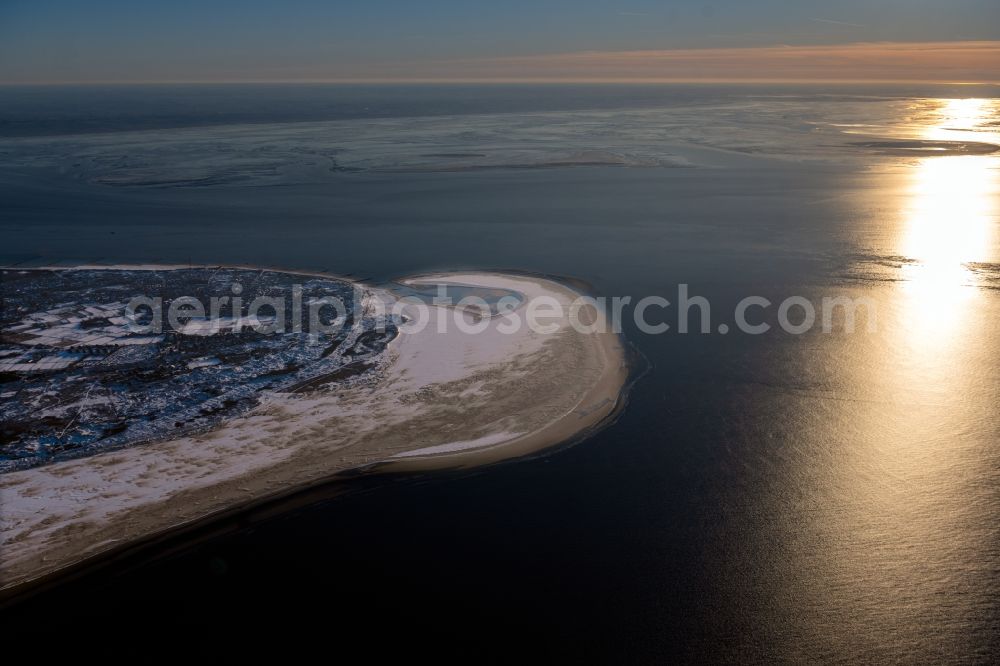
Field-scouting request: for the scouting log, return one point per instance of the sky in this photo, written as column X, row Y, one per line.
column 50, row 41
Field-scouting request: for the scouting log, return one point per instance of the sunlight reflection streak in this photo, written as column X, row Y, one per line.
column 949, row 221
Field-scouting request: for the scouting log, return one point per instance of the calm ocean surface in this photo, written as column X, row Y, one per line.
column 775, row 497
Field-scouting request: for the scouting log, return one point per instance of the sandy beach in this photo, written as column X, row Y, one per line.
column 438, row 400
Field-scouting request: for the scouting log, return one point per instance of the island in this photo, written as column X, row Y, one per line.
column 117, row 431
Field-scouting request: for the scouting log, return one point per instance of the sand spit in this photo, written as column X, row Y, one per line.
column 925, row 148
column 439, row 400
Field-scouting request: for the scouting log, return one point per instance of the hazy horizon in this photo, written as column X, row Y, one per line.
column 53, row 42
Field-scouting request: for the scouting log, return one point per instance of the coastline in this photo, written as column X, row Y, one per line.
column 57, row 517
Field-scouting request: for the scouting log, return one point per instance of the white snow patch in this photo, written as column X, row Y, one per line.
column 478, row 443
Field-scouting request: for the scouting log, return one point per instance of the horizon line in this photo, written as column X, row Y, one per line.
column 971, row 62
column 497, row 81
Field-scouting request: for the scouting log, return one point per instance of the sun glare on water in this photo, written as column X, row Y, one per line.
column 950, row 216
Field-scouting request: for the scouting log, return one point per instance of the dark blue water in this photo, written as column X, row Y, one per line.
column 46, row 110
column 773, row 498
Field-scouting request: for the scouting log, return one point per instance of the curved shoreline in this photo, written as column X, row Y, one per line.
column 598, row 359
